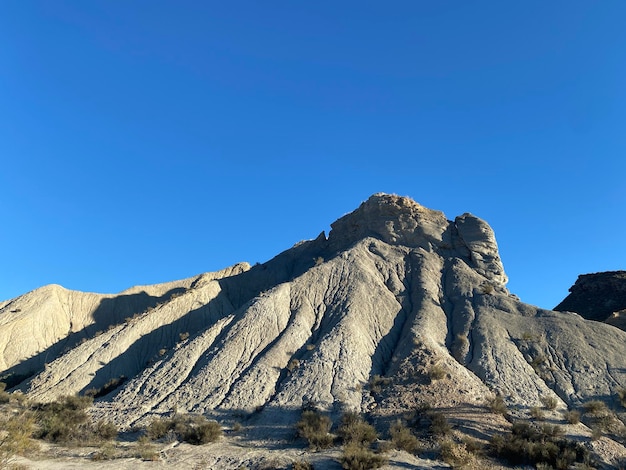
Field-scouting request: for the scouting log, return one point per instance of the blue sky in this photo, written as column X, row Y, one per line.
column 147, row 141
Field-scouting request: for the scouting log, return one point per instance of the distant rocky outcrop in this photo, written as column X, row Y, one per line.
column 598, row 296
column 398, row 309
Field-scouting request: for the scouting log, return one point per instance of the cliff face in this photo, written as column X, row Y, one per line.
column 597, row 296
column 358, row 321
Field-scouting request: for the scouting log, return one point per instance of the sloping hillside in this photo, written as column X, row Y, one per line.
column 398, row 309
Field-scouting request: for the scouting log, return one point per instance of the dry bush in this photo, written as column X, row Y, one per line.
column 15, row 436
column 65, row 420
column 145, row 450
column 301, row 465
column 572, row 416
column 530, row 443
column 549, row 402
column 200, row 430
column 439, row 424
column 437, row 372
column 537, row 413
column 497, row 405
column 315, row 429
column 356, row 457
column 106, row 452
column 456, row 454
column 621, row 393
column 354, row 430
column 377, row 383
column 193, row 429
column 403, row 439
column 158, row 428
column 5, row 397
column 595, row 407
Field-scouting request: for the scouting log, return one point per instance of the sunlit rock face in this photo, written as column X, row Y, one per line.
column 356, row 321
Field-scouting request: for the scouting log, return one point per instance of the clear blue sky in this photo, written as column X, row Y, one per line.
column 147, row 141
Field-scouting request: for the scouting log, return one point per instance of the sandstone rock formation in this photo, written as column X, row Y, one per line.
column 356, row 321
column 597, row 296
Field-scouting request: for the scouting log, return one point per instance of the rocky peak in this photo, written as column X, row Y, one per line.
column 393, row 219
column 596, row 296
column 400, row 220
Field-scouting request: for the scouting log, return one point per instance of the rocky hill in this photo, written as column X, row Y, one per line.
column 598, row 296
column 399, row 309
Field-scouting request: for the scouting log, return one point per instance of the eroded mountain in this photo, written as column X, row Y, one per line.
column 356, row 321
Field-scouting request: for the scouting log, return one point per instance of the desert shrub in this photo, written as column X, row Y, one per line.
column 439, row 424
column 572, row 416
column 193, row 429
column 621, row 393
column 184, row 336
column 105, row 430
column 301, row 465
column 15, row 436
column 530, row 443
column 437, row 372
column 158, row 428
column 106, row 452
column 549, row 402
column 537, row 362
column 200, row 430
column 456, row 454
column 107, row 388
column 354, row 430
column 64, row 420
column 403, row 439
column 497, row 405
column 357, row 457
column 487, row 288
column 537, row 413
column 293, row 365
column 377, row 383
column 5, row 397
column 595, row 407
column 315, row 429
column 145, row 450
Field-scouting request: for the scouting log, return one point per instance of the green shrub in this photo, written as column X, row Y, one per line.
column 315, row 429
column 354, row 430
column 403, row 439
column 356, row 457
